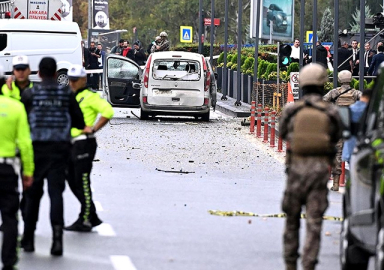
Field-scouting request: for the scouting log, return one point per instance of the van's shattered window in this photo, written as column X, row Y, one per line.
column 3, row 41
column 120, row 69
column 180, row 70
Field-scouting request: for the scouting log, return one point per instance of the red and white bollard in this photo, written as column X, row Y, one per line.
column 273, row 132
column 280, row 145
column 258, row 128
column 342, row 176
column 252, row 126
column 266, row 115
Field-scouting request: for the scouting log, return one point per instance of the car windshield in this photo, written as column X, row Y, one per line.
column 183, row 70
column 121, row 69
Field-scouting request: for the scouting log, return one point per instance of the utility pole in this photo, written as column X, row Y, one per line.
column 200, row 26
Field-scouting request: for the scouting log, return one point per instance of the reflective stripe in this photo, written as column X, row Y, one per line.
column 8, row 160
column 83, row 137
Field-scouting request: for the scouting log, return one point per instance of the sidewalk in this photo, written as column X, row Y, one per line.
column 228, row 107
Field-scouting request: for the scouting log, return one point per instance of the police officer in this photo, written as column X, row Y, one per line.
column 14, row 133
column 84, row 148
column 311, row 127
column 21, row 71
column 341, row 96
column 52, row 110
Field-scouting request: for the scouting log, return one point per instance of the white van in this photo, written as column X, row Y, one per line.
column 37, row 39
column 176, row 83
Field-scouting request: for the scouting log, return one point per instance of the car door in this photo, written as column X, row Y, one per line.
column 367, row 166
column 121, row 81
column 5, row 53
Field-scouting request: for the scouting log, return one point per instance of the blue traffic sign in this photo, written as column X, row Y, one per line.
column 186, row 34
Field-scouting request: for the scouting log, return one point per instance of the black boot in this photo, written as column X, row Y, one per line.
column 95, row 221
column 79, row 226
column 28, row 241
column 57, row 244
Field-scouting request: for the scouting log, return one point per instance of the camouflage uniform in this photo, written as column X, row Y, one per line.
column 306, row 185
column 330, row 97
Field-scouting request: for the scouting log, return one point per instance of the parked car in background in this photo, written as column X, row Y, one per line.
column 278, row 18
column 362, row 232
column 121, row 81
column 176, row 83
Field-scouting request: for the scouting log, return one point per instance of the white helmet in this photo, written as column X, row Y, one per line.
column 163, row 34
column 345, row 76
column 313, row 74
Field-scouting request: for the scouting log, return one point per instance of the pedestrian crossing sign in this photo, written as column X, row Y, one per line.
column 186, row 34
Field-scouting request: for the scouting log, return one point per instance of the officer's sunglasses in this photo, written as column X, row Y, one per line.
column 73, row 79
column 20, row 69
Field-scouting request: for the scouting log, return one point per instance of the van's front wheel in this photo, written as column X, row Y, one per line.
column 62, row 78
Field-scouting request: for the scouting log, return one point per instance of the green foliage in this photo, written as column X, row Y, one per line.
column 221, row 58
column 355, row 26
column 357, row 85
column 353, row 82
column 371, row 84
column 328, row 86
column 229, row 64
column 249, row 71
column 293, row 67
column 263, row 65
column 326, row 26
column 248, row 63
column 273, row 75
column 234, row 67
column 284, row 76
column 271, row 68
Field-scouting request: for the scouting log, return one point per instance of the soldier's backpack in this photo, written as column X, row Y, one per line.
column 311, row 129
column 344, row 98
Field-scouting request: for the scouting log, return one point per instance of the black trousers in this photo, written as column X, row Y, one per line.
column 93, row 79
column 50, row 163
column 9, row 205
column 79, row 176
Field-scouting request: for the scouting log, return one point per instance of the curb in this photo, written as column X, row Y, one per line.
column 228, row 107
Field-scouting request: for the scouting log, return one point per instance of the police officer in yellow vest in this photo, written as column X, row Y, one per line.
column 21, row 71
column 341, row 96
column 84, row 147
column 14, row 132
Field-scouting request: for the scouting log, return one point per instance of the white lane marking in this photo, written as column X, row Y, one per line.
column 98, row 206
column 121, row 262
column 105, row 229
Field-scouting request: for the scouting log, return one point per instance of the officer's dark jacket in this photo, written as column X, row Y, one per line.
column 52, row 111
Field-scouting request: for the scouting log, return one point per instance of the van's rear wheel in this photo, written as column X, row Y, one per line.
column 62, row 78
column 143, row 115
column 205, row 117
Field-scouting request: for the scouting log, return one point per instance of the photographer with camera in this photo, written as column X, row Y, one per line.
column 94, row 55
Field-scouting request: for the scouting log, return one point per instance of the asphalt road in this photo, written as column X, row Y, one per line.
column 155, row 181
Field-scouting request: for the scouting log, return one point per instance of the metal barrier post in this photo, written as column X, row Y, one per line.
column 252, row 126
column 273, row 122
column 266, row 114
column 258, row 129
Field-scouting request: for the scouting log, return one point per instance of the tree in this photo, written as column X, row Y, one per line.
column 355, row 26
column 326, row 26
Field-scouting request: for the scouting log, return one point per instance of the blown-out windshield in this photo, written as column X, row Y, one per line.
column 181, row 70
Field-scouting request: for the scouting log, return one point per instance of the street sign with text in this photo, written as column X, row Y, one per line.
column 207, row 21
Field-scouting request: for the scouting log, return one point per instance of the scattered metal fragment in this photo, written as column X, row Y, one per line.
column 174, row 171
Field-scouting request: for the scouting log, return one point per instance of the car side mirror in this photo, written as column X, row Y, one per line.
column 345, row 116
column 216, row 75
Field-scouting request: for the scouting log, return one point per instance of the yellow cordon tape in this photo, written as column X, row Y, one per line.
column 250, row 214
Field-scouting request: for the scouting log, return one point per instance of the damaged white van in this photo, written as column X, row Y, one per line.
column 176, row 83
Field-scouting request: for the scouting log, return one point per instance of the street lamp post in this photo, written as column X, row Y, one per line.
column 336, row 43
column 225, row 75
column 239, row 45
column 200, row 26
column 212, row 31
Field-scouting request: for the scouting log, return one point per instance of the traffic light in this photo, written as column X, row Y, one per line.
column 285, row 55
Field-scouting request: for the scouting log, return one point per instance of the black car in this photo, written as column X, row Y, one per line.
column 278, row 18
column 362, row 232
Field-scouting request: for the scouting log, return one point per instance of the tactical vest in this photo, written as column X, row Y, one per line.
column 311, row 130
column 345, row 99
column 49, row 117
